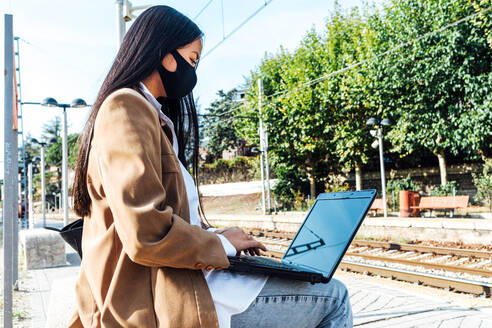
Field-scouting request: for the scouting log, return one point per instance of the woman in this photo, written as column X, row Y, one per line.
column 148, row 260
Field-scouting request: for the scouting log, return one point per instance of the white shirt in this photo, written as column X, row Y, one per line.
column 232, row 293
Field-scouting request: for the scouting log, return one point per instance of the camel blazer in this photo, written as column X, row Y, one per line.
column 141, row 256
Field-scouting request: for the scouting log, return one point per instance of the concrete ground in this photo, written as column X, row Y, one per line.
column 376, row 302
column 47, row 295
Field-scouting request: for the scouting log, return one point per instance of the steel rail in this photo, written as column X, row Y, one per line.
column 436, row 266
column 396, row 246
column 424, row 249
column 459, row 285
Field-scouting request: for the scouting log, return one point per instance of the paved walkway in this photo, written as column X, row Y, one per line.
column 374, row 304
column 378, row 305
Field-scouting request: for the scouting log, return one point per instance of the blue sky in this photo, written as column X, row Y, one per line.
column 68, row 46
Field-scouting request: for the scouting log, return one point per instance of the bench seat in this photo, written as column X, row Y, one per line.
column 442, row 203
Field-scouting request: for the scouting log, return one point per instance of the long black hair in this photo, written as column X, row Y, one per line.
column 156, row 32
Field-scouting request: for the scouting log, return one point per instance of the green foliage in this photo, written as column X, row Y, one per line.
column 218, row 127
column 394, row 186
column 449, row 189
column 401, row 184
column 240, row 168
column 483, row 182
column 436, row 89
column 54, row 152
column 336, row 183
column 290, row 185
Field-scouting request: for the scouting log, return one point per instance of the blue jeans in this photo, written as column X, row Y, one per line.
column 297, row 304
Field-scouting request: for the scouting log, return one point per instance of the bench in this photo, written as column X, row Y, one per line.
column 377, row 205
column 446, row 203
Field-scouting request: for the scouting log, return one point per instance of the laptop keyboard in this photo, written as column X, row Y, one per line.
column 263, row 261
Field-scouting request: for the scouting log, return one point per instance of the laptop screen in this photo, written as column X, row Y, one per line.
column 326, row 233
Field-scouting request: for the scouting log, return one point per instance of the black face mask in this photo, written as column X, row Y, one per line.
column 180, row 82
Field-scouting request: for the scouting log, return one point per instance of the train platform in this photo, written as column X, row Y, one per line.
column 375, row 302
column 465, row 230
column 385, row 303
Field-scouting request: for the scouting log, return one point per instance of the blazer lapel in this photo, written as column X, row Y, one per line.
column 168, row 132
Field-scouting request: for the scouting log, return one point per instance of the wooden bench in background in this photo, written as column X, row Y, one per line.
column 377, row 205
column 446, row 203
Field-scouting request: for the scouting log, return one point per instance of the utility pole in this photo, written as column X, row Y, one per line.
column 10, row 172
column 264, row 156
column 120, row 23
column 124, row 14
column 267, row 163
column 260, row 132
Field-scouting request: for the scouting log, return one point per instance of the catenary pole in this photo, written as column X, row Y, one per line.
column 262, row 147
column 120, row 23
column 10, row 172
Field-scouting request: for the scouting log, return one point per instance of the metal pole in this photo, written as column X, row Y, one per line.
column 65, row 168
column 263, row 207
column 265, row 148
column 120, row 23
column 43, row 186
column 22, row 125
column 262, row 147
column 30, row 198
column 10, row 171
column 267, row 167
column 383, row 178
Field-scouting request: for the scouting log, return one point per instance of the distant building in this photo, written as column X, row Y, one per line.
column 241, row 149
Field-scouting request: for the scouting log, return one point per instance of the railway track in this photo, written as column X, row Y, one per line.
column 455, row 269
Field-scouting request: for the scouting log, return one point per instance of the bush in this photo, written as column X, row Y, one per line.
column 393, row 188
column 483, row 183
column 239, row 169
column 336, row 183
column 449, row 189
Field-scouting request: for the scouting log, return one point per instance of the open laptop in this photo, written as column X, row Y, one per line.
column 320, row 242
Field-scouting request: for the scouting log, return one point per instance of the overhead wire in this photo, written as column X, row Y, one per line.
column 237, row 28
column 384, row 53
column 349, row 67
column 203, row 9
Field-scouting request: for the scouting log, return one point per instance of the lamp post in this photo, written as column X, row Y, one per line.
column 372, row 122
column 124, row 14
column 76, row 103
column 43, row 176
column 30, row 198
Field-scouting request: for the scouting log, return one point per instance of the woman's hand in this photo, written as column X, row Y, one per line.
column 242, row 241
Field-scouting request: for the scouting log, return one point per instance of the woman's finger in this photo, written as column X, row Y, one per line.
column 255, row 243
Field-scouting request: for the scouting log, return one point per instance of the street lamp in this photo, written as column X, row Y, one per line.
column 372, row 122
column 30, row 210
column 76, row 103
column 43, row 177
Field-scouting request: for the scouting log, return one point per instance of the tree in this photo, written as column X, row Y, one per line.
column 423, row 85
column 217, row 127
column 350, row 40
column 297, row 122
column 52, row 129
